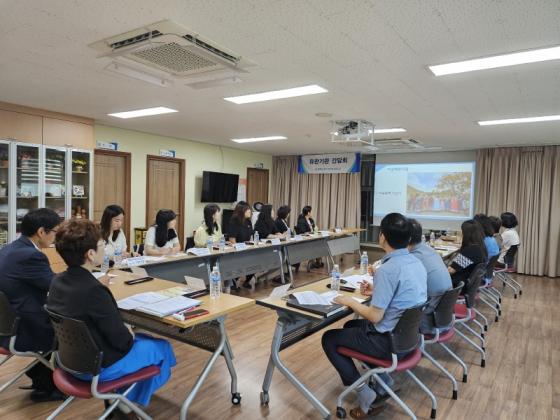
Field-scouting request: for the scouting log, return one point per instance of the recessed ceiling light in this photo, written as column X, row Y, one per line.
column 277, row 94
column 521, row 120
column 257, row 139
column 503, row 60
column 143, row 112
column 388, row 130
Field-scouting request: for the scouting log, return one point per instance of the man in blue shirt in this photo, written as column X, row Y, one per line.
column 399, row 283
column 439, row 279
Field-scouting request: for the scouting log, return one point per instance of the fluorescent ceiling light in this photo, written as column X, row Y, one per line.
column 521, row 120
column 257, row 139
column 503, row 60
column 277, row 94
column 143, row 112
column 388, row 130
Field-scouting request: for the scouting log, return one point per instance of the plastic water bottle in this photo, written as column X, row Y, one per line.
column 210, row 244
column 363, row 263
column 289, row 233
column 215, row 283
column 256, row 237
column 423, row 238
column 118, row 255
column 335, row 278
column 105, row 265
column 222, row 243
column 432, row 237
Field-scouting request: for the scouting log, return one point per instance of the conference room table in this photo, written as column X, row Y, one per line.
column 207, row 332
column 292, row 326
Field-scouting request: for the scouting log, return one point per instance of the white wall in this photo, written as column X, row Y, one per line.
column 431, row 157
column 198, row 157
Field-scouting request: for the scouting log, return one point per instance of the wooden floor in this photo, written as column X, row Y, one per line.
column 521, row 379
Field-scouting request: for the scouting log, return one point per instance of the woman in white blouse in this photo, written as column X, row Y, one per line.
column 111, row 230
column 162, row 239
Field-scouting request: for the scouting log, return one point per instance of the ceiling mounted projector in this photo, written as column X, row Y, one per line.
column 353, row 133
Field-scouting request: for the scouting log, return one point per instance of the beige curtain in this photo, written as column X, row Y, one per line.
column 335, row 198
column 525, row 181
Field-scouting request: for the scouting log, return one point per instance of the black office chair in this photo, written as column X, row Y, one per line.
column 465, row 313
column 504, row 273
column 78, row 354
column 9, row 322
column 405, row 338
column 189, row 242
column 443, row 317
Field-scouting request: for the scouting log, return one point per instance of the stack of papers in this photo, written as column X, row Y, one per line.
column 314, row 298
column 355, row 280
column 198, row 251
column 157, row 304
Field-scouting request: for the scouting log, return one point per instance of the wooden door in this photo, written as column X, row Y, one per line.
column 257, row 185
column 165, row 181
column 112, row 185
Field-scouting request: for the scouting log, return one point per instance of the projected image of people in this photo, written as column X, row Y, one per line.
column 444, row 194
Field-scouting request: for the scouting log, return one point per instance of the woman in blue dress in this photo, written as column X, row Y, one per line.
column 76, row 293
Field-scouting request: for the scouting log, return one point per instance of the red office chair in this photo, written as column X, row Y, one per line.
column 8, row 328
column 78, row 354
column 405, row 338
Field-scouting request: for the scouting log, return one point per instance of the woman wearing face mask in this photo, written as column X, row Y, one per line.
column 162, row 239
column 111, row 230
column 77, row 294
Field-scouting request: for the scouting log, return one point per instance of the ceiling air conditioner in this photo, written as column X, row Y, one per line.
column 167, row 50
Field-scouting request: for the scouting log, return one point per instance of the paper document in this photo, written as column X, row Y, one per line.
column 314, row 298
column 195, row 283
column 198, row 251
column 175, row 291
column 139, row 271
column 357, row 299
column 355, row 280
column 135, row 301
column 169, row 306
column 98, row 275
column 280, row 291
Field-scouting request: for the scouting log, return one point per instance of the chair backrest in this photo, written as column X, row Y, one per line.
column 141, row 249
column 344, row 245
column 405, row 337
column 238, row 264
column 189, row 242
column 8, row 318
column 76, row 351
column 444, row 310
column 297, row 252
column 509, row 258
column 491, row 265
column 473, row 283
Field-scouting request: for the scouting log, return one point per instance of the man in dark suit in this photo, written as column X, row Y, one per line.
column 25, row 278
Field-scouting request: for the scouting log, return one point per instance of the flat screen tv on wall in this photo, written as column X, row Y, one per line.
column 218, row 187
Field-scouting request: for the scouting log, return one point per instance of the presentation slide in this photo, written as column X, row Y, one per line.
column 442, row 191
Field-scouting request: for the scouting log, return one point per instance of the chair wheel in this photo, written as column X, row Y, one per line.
column 236, row 398
column 515, row 296
column 433, row 413
column 464, row 378
column 499, row 312
column 520, row 292
column 497, row 318
column 486, row 328
column 455, row 394
column 340, row 412
column 483, row 363
column 264, row 398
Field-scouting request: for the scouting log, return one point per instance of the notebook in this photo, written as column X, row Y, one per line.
column 315, row 303
column 157, row 304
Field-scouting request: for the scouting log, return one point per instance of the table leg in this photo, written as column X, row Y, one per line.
column 228, row 357
column 206, row 369
column 275, row 361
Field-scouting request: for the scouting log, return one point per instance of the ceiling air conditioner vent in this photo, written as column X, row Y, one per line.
column 135, row 39
column 169, row 51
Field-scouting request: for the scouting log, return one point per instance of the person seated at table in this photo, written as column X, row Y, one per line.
column 111, row 231
column 496, row 225
column 77, row 294
column 240, row 228
column 25, row 278
column 492, row 248
column 510, row 236
column 162, row 239
column 471, row 253
column 210, row 228
column 306, row 224
column 439, row 279
column 265, row 223
column 282, row 214
column 399, row 283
